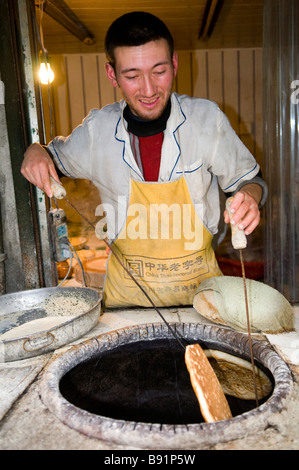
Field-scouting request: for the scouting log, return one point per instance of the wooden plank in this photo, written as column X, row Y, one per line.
column 215, row 77
column 199, row 74
column 246, row 98
column 75, row 87
column 231, row 87
column 258, row 118
column 61, row 96
column 184, row 76
column 90, row 74
column 130, row 4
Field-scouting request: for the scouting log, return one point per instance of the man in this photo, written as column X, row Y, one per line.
column 157, row 159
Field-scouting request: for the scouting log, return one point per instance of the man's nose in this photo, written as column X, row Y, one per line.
column 148, row 86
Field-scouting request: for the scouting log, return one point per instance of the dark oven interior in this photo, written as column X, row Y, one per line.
column 143, row 381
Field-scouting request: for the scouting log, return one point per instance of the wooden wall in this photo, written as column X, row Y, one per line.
column 230, row 77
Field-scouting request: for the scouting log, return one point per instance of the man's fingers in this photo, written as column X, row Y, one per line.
column 246, row 214
column 252, row 225
column 37, row 167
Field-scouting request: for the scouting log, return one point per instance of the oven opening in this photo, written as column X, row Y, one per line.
column 148, row 381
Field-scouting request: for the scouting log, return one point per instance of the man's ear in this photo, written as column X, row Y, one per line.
column 110, row 72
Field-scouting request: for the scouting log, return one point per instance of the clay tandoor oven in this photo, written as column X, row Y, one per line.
column 131, row 387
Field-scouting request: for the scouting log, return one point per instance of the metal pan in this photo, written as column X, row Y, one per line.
column 38, row 321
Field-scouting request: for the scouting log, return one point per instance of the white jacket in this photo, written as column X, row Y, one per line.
column 199, row 143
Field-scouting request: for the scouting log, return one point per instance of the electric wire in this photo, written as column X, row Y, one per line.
column 40, row 38
column 84, row 283
column 69, row 270
column 73, row 253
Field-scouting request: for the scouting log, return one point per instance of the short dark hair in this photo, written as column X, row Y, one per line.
column 135, row 29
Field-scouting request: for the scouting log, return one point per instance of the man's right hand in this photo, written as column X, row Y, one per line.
column 37, row 167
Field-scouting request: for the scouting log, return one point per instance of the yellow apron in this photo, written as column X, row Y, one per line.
column 165, row 246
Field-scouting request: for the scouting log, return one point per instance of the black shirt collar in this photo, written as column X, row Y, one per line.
column 143, row 128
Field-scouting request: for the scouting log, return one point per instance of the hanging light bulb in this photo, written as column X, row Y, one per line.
column 46, row 74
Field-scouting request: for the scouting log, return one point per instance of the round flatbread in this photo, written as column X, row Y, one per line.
column 211, row 398
column 236, row 376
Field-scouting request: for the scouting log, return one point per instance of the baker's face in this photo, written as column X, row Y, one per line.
column 145, row 76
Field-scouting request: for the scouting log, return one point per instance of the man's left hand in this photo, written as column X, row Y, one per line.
column 246, row 214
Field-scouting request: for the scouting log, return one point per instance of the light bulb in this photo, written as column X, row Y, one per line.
column 46, row 74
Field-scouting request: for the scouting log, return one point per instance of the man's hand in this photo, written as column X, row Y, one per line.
column 37, row 167
column 245, row 208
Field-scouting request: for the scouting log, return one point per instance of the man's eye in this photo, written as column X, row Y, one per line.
column 131, row 78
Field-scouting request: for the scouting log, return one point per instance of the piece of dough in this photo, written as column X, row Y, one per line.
column 221, row 299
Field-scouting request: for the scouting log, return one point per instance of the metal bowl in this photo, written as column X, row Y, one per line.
column 38, row 321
